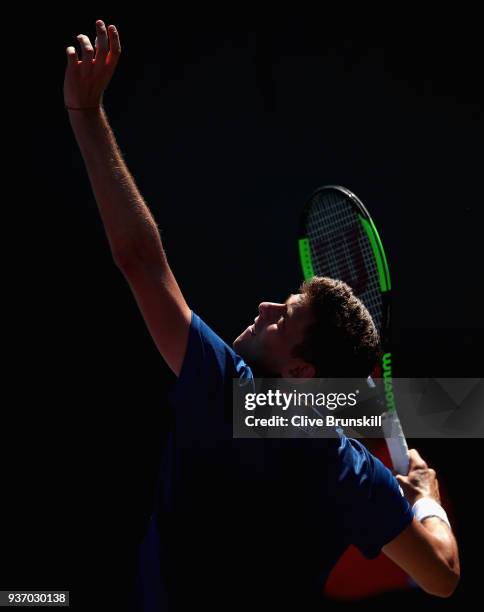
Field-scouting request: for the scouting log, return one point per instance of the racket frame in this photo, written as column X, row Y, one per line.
column 392, row 428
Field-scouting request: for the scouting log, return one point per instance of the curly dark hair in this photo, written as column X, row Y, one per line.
column 343, row 341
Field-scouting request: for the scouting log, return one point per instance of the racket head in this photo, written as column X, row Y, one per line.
column 338, row 239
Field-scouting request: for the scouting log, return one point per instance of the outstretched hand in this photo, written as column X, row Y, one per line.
column 86, row 79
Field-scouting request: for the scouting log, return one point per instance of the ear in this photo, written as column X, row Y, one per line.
column 299, row 371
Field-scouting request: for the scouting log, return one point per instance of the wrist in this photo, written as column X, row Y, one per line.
column 78, row 108
column 80, row 119
column 426, row 507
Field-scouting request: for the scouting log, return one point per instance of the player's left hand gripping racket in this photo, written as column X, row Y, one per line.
column 338, row 239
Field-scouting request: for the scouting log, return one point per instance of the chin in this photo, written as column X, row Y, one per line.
column 242, row 344
column 238, row 345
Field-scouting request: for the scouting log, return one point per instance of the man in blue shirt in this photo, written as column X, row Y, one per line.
column 263, row 519
column 250, row 522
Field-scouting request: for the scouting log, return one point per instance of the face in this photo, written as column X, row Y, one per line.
column 269, row 342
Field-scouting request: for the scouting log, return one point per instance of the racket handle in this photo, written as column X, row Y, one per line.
column 396, row 443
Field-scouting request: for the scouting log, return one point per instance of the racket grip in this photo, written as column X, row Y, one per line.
column 396, row 443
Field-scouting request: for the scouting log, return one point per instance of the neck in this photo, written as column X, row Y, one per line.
column 261, row 372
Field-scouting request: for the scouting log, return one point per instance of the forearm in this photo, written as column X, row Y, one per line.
column 441, row 570
column 129, row 225
column 444, row 541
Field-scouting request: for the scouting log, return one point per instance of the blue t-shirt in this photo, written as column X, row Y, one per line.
column 254, row 522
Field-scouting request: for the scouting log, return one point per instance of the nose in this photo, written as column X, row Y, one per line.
column 268, row 310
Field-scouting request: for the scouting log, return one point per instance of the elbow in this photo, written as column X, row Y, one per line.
column 446, row 586
column 451, row 583
column 124, row 259
column 130, row 260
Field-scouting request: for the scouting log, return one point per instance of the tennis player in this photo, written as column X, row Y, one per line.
column 237, row 522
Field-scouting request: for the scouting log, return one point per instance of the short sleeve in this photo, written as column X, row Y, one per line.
column 375, row 510
column 204, row 387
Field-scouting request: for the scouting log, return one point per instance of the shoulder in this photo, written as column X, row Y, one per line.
column 209, row 361
column 352, row 461
column 356, row 471
column 204, row 343
column 369, row 497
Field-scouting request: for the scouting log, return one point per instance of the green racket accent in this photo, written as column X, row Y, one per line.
column 305, row 257
column 388, row 382
column 379, row 253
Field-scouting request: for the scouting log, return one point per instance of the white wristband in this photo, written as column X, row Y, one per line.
column 426, row 507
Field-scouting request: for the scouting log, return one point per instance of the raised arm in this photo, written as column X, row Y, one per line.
column 426, row 549
column 131, row 230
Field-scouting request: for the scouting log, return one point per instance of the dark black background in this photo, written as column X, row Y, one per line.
column 228, row 122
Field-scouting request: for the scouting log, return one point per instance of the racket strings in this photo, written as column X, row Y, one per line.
column 331, row 220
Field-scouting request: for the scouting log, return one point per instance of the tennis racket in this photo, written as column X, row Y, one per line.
column 338, row 239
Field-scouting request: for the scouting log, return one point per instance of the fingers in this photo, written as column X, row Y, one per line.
column 106, row 54
column 87, row 52
column 102, row 42
column 114, row 46
column 415, row 460
column 72, row 58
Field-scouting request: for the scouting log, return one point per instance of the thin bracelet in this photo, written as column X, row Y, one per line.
column 83, row 108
